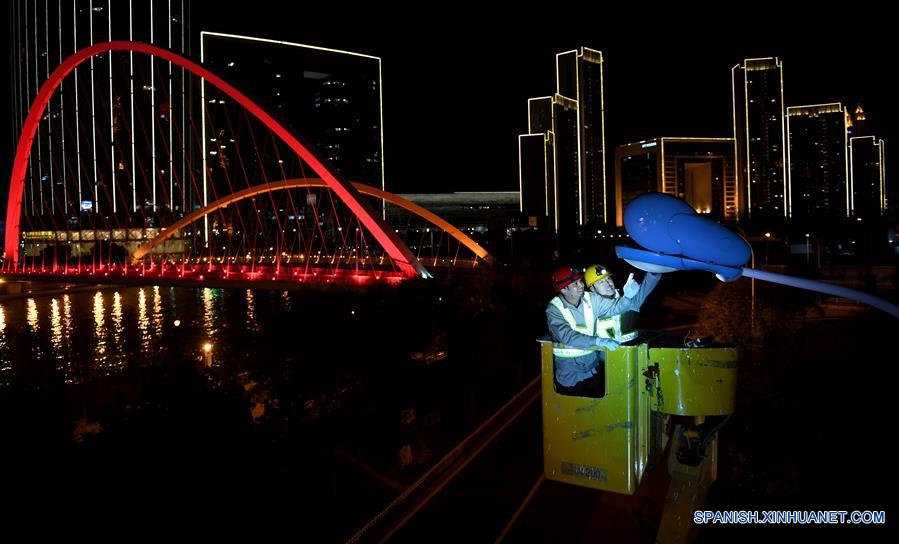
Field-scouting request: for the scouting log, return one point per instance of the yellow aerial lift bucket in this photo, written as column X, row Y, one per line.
column 605, row 443
column 695, row 381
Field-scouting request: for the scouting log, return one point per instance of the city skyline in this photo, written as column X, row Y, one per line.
column 657, row 83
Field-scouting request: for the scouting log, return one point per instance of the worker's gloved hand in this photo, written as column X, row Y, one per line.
column 631, row 287
column 607, row 343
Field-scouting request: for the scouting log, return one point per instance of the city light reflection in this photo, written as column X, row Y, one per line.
column 99, row 331
column 251, row 311
column 208, row 314
column 32, row 316
column 117, row 319
column 67, row 335
column 143, row 322
column 56, row 327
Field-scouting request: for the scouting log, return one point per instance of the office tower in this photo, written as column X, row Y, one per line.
column 701, row 171
column 856, row 122
column 867, row 177
column 331, row 98
column 818, row 165
column 758, row 118
column 536, row 154
column 579, row 78
column 127, row 170
column 564, row 174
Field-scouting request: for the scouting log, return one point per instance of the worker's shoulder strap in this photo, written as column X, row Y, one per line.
column 557, row 302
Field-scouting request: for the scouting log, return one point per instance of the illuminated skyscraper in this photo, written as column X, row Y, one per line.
column 329, row 97
column 758, row 111
column 112, row 169
column 818, row 165
column 856, row 122
column 867, row 177
column 700, row 171
column 562, row 158
column 579, row 78
column 536, row 154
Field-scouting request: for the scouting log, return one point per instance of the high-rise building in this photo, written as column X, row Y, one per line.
column 536, row 154
column 856, row 122
column 564, row 173
column 701, row 171
column 818, row 166
column 759, row 139
column 867, row 177
column 87, row 146
column 579, row 77
column 329, row 97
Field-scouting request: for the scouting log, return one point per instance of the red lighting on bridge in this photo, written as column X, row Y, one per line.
column 262, row 274
column 248, row 227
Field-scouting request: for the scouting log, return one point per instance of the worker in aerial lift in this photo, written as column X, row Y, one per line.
column 598, row 280
column 572, row 316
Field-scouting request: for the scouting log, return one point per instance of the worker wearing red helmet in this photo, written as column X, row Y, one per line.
column 571, row 316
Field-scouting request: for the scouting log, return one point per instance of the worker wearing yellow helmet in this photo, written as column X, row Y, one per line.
column 571, row 317
column 598, row 279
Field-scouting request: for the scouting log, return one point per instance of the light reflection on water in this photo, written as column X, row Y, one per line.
column 143, row 321
column 208, row 321
column 106, row 331
column 55, row 326
column 117, row 318
column 251, row 311
column 99, row 330
column 116, row 331
column 67, row 331
column 34, row 324
column 5, row 363
column 32, row 314
column 156, row 321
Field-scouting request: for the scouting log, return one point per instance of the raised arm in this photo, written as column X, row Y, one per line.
column 605, row 307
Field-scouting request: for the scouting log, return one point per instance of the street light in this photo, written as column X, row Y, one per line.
column 207, row 351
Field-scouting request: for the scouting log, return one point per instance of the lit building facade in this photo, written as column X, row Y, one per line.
column 867, row 177
column 536, row 155
column 87, row 150
column 759, row 139
column 856, row 124
column 701, row 171
column 818, row 162
column 562, row 157
column 329, row 97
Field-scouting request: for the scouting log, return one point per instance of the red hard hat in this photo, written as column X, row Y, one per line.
column 565, row 276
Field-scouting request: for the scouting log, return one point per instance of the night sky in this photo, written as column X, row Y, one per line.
column 457, row 77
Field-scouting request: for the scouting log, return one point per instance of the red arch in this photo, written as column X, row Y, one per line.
column 388, row 239
column 283, row 184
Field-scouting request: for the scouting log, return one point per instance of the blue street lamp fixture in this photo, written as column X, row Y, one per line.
column 675, row 237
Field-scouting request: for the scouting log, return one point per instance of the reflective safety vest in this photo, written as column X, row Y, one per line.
column 609, row 327
column 587, row 328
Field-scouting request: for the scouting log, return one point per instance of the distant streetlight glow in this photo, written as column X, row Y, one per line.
column 207, row 350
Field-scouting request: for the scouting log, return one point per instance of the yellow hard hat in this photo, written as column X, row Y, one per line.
column 594, row 273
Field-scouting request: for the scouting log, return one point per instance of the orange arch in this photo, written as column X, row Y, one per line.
column 294, row 183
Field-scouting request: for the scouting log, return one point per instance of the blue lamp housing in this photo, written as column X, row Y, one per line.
column 677, row 238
